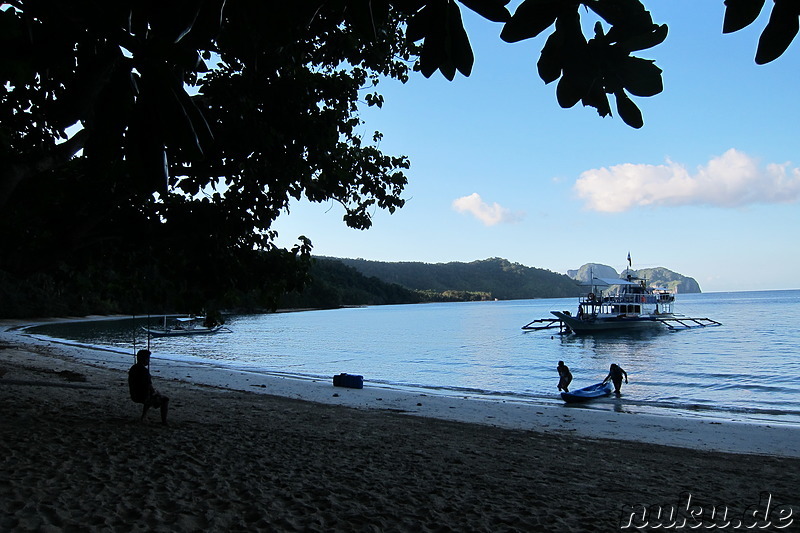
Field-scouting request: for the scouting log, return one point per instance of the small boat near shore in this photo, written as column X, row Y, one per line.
column 621, row 304
column 184, row 326
column 598, row 390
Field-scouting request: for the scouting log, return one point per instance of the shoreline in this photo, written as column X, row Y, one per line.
column 613, row 422
column 74, row 455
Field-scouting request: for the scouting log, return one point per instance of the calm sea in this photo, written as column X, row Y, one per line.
column 746, row 369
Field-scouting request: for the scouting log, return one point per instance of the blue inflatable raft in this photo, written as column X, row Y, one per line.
column 588, row 393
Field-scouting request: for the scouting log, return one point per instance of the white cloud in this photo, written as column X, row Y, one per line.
column 733, row 179
column 490, row 215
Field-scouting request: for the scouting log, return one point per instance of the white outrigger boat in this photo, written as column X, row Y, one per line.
column 184, row 326
column 627, row 304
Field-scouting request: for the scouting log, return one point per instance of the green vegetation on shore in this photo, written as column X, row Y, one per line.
column 336, row 282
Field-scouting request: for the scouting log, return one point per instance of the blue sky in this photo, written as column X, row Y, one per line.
column 709, row 187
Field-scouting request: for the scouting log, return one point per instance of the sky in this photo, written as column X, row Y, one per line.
column 708, row 188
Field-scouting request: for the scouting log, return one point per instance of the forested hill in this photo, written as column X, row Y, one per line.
column 337, row 282
column 334, row 284
column 497, row 278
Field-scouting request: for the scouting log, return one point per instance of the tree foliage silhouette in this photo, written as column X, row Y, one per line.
column 149, row 146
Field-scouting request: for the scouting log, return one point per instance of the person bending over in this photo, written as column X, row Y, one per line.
column 615, row 374
column 565, row 376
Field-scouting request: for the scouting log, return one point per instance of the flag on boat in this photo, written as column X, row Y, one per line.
column 629, row 259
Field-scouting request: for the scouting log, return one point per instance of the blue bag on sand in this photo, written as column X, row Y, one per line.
column 348, row 380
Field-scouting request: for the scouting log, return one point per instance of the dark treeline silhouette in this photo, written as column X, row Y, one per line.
column 330, row 283
column 147, row 152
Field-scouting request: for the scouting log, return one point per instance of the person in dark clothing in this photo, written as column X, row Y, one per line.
column 615, row 374
column 141, row 387
column 565, row 376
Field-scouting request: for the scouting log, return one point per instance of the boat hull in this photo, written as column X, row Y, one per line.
column 598, row 390
column 579, row 325
column 181, row 332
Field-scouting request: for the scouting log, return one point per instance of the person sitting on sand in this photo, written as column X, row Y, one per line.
column 565, row 376
column 141, row 386
column 615, row 374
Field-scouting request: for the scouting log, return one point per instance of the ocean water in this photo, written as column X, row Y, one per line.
column 747, row 369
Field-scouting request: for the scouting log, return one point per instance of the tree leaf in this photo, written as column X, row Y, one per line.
column 532, row 17
column 628, row 111
column 446, row 46
column 571, row 90
column 432, row 56
column 627, row 13
column 779, row 32
column 740, row 14
column 420, row 24
column 641, row 77
column 493, row 10
column 578, row 71
column 645, row 39
column 550, row 62
column 460, row 49
column 596, row 97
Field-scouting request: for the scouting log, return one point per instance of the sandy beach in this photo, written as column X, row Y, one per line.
column 256, row 453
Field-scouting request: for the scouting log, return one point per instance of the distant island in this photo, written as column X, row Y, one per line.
column 340, row 282
column 657, row 277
